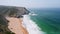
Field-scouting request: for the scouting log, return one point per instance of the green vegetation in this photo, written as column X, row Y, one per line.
column 9, row 33
column 4, row 26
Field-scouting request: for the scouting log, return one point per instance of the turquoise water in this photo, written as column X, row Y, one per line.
column 48, row 19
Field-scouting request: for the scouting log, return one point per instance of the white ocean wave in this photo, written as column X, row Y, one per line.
column 31, row 26
column 33, row 14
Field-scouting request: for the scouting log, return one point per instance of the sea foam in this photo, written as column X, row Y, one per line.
column 30, row 25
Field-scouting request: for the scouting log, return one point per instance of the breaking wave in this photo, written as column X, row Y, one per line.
column 30, row 25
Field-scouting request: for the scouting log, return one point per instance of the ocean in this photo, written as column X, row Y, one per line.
column 42, row 21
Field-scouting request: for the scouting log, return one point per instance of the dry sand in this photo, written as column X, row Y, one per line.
column 15, row 25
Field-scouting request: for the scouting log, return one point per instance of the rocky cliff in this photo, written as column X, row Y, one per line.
column 4, row 26
column 13, row 11
column 10, row 11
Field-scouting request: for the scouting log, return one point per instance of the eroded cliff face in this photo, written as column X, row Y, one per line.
column 10, row 11
column 4, row 26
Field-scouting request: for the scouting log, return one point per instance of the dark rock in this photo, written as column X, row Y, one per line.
column 20, row 17
column 1, row 30
column 10, row 11
column 13, row 11
column 4, row 25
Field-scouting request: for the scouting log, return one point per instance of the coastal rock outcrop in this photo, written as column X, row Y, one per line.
column 16, row 11
column 4, row 26
column 10, row 11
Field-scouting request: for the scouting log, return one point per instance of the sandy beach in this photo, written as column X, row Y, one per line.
column 15, row 25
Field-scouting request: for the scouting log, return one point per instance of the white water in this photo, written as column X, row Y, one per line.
column 31, row 27
column 32, row 14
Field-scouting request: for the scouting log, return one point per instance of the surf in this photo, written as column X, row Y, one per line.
column 30, row 25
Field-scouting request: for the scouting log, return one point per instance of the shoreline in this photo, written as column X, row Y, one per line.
column 15, row 27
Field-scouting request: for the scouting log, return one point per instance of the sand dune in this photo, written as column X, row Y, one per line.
column 15, row 25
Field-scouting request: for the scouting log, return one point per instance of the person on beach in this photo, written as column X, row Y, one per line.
column 12, row 15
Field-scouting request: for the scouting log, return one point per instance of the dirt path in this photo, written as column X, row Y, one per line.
column 15, row 25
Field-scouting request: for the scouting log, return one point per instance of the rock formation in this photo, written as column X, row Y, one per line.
column 4, row 26
column 10, row 11
column 16, row 11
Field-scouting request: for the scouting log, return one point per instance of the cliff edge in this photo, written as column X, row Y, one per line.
column 10, row 11
column 13, row 11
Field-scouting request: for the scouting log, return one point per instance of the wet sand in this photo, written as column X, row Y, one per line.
column 15, row 25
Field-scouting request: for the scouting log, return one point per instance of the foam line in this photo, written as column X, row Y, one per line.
column 31, row 26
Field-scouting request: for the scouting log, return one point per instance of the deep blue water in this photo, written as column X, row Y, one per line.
column 48, row 19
